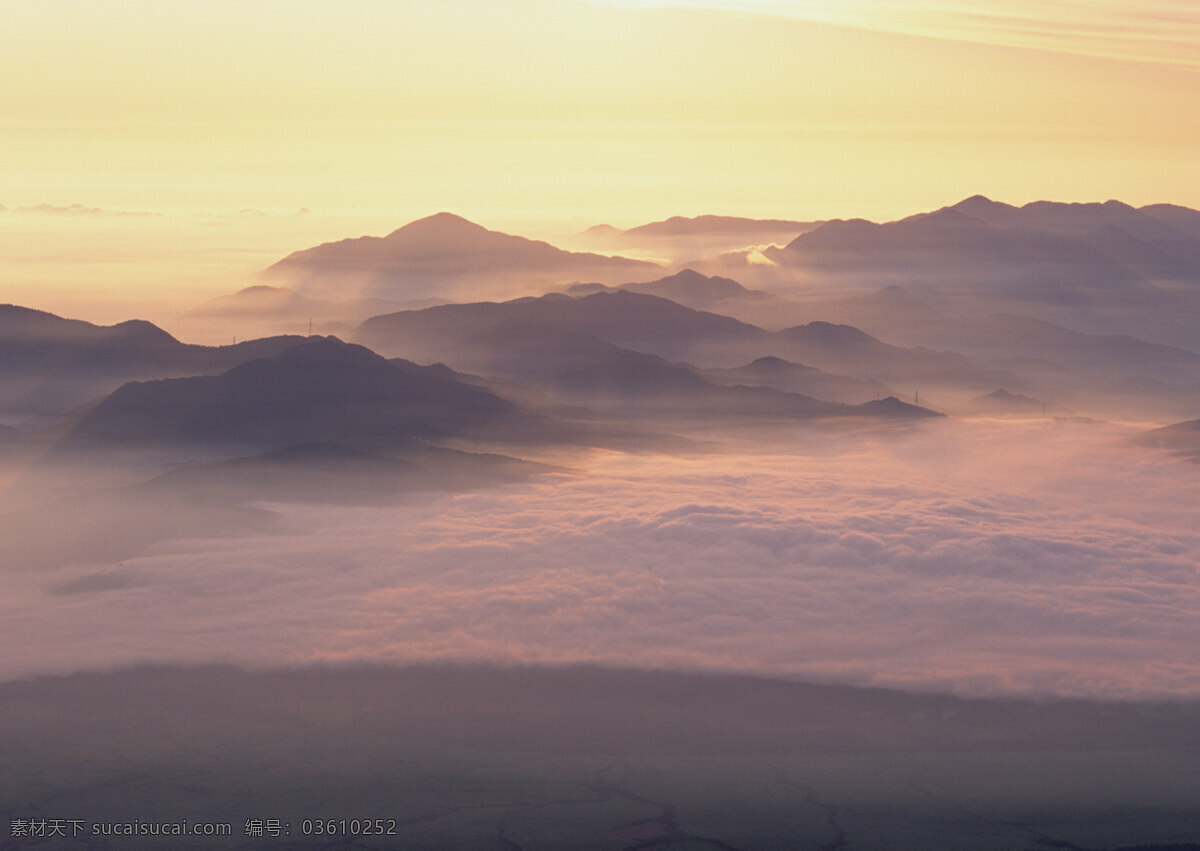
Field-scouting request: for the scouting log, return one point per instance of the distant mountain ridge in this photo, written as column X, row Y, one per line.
column 709, row 225
column 442, row 255
column 1002, row 403
column 1046, row 250
column 687, row 287
column 710, row 228
column 49, row 364
column 321, row 390
column 686, row 240
column 771, row 371
column 1180, row 438
column 631, row 320
column 526, row 336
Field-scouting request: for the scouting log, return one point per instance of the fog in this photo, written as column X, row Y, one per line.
column 588, row 570
column 108, row 266
column 984, row 557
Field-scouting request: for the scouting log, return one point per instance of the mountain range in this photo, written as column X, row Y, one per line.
column 1103, row 267
column 443, row 256
column 127, row 437
column 630, row 320
column 49, row 364
column 1093, row 245
column 770, row 371
column 549, row 338
column 683, row 238
column 645, row 342
column 687, row 287
column 320, row 390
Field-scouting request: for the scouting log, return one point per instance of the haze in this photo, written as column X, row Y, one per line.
column 574, row 424
column 647, row 112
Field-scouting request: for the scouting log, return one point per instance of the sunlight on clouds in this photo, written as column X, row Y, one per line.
column 1165, row 31
column 543, row 110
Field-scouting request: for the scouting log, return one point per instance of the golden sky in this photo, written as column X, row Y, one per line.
column 527, row 114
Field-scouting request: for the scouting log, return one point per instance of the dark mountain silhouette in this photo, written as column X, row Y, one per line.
column 1180, row 438
column 443, row 255
column 1114, row 229
column 909, row 320
column 696, row 290
column 950, row 247
column 518, row 338
column 1079, row 220
column 1110, row 374
column 636, row 321
column 34, row 338
column 798, row 378
column 1183, row 219
column 49, row 364
column 323, row 390
column 687, row 287
column 1002, row 403
column 636, row 383
column 850, row 351
column 1043, row 252
column 599, row 379
column 608, row 348
column 893, row 408
column 600, row 232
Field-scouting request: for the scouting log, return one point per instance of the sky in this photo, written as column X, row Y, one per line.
column 541, row 113
column 154, row 155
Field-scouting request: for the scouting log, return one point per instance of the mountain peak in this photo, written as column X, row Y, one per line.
column 686, row 276
column 143, row 330
column 980, row 204
column 439, row 225
column 890, row 406
column 949, row 216
column 829, row 333
column 693, row 289
column 771, row 363
column 262, row 290
column 321, row 390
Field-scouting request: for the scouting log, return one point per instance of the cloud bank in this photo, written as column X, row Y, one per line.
column 983, row 557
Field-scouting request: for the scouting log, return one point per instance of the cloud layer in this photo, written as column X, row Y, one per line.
column 975, row 557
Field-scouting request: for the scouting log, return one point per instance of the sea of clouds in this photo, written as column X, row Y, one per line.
column 977, row 557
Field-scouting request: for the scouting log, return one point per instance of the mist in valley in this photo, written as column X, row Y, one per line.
column 608, row 563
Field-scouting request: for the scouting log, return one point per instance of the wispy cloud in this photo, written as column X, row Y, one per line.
column 75, row 210
column 1163, row 32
